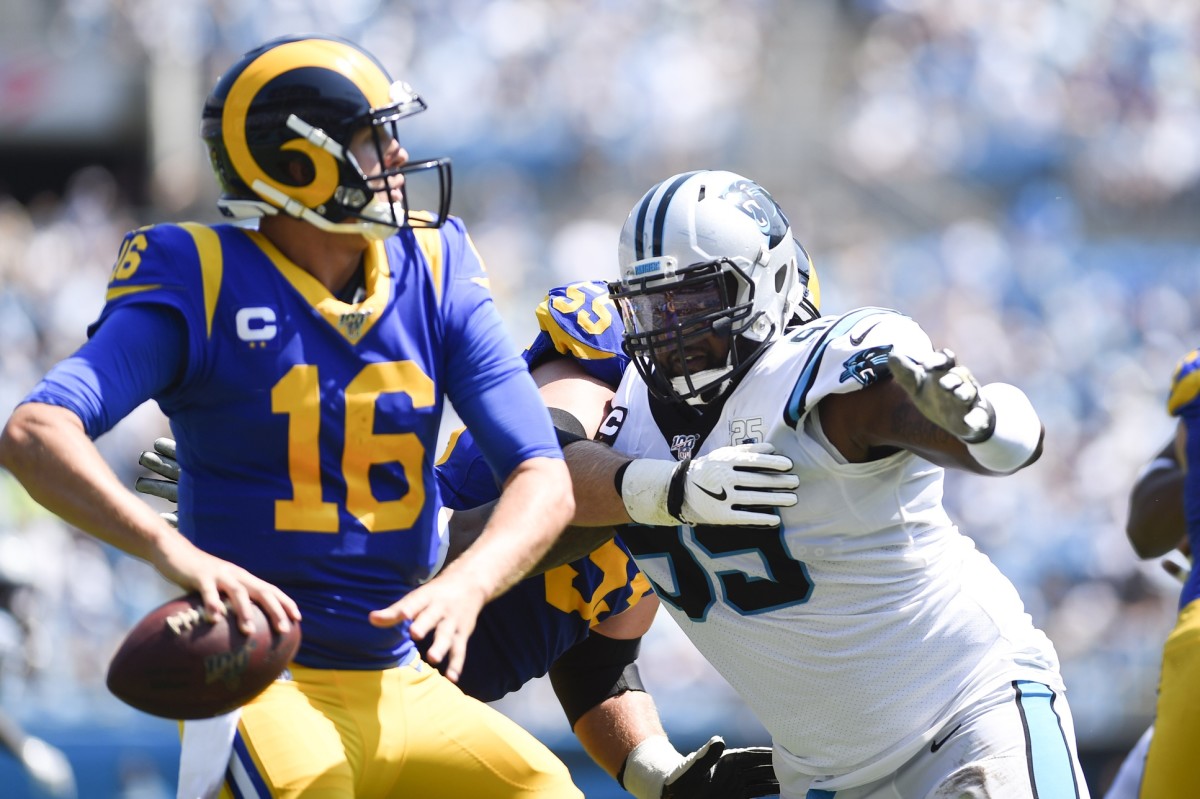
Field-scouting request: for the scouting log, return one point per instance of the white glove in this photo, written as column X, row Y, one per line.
column 735, row 485
column 654, row 770
column 48, row 767
column 947, row 395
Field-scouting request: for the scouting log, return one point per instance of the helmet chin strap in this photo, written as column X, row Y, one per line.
column 374, row 231
column 705, row 382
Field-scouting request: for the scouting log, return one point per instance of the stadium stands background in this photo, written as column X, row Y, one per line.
column 1020, row 177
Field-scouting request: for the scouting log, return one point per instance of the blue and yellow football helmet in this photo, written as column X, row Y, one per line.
column 278, row 126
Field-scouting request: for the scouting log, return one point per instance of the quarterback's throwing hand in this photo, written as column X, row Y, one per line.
column 714, row 772
column 947, row 394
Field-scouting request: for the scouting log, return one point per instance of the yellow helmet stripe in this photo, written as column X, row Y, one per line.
column 814, row 285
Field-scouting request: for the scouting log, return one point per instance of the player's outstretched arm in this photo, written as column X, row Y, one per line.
column 744, row 484
column 48, row 451
column 994, row 429
column 741, row 485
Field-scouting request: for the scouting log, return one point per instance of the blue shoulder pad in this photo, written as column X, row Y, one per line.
column 174, row 265
column 580, row 321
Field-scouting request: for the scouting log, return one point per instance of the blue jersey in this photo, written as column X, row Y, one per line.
column 1184, row 402
column 305, row 425
column 522, row 633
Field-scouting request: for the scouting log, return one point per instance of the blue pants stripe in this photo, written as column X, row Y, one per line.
column 1051, row 767
column 242, row 777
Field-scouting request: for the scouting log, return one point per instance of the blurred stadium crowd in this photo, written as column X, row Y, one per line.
column 1020, row 177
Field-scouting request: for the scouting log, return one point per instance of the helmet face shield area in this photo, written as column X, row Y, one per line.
column 680, row 328
column 414, row 194
column 724, row 223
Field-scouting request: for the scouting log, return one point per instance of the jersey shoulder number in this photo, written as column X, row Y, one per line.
column 580, row 321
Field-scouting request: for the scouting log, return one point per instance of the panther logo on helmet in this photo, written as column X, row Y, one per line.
column 753, row 200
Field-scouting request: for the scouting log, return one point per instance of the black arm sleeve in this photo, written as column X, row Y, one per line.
column 596, row 668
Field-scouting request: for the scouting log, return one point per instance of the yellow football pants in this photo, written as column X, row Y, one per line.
column 402, row 732
column 1170, row 764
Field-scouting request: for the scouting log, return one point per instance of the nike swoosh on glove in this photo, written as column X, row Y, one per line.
column 742, row 484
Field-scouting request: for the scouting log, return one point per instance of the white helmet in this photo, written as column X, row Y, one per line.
column 709, row 274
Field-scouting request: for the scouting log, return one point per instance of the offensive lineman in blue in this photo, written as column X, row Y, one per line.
column 303, row 367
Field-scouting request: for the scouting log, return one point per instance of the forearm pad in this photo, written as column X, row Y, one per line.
column 595, row 669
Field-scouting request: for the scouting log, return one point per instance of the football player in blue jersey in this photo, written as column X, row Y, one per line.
column 1167, row 769
column 1155, row 527
column 582, row 621
column 304, row 368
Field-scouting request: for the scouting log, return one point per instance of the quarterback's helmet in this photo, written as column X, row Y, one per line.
column 279, row 125
column 710, row 273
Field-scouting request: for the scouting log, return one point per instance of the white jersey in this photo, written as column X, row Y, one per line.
column 865, row 621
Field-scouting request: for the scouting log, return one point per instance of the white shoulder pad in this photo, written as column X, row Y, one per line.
column 845, row 353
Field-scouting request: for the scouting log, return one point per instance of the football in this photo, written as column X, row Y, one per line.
column 180, row 663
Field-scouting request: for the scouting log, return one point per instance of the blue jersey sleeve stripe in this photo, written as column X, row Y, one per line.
column 132, row 356
column 430, row 242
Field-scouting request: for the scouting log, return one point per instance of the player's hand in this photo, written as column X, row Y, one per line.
column 218, row 581
column 946, row 394
column 1185, row 387
column 714, row 772
column 161, row 461
column 739, row 484
column 742, row 484
column 1178, row 562
column 48, row 767
column 444, row 611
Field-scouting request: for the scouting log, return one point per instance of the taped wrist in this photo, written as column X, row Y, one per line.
column 675, row 491
column 1017, row 435
column 647, row 767
column 567, row 428
column 595, row 669
column 646, row 486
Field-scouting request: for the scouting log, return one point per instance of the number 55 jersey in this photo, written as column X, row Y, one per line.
column 866, row 620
